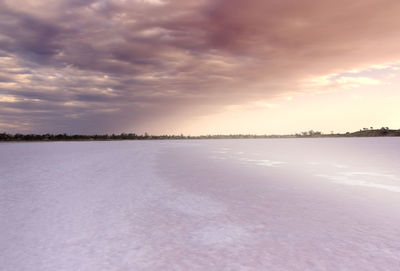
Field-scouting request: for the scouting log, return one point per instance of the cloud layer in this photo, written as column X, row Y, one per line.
column 92, row 66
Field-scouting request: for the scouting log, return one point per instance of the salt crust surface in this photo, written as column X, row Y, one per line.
column 295, row 204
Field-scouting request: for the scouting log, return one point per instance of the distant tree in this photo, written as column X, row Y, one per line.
column 384, row 130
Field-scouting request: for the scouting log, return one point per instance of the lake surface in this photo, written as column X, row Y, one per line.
column 252, row 204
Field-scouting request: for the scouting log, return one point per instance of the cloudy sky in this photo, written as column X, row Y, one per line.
column 198, row 67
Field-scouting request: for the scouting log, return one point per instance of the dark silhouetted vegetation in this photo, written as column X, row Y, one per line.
column 365, row 132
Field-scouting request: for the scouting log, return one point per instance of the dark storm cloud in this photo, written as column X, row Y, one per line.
column 65, row 65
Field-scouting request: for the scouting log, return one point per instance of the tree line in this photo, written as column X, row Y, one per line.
column 123, row 136
column 384, row 131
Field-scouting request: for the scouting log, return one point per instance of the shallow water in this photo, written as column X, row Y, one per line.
column 276, row 204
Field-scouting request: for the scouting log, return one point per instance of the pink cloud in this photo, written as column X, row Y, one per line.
column 167, row 61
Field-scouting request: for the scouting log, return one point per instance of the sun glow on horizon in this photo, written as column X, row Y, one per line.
column 198, row 67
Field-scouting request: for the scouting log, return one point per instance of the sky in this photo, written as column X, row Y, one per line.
column 198, row 67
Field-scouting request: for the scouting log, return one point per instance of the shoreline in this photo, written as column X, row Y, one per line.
column 194, row 138
column 5, row 137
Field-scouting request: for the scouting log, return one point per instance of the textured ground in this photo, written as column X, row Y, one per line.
column 290, row 204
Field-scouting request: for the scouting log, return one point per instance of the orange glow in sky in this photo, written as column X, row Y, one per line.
column 199, row 67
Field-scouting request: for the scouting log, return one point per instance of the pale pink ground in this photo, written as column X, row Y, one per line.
column 295, row 204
